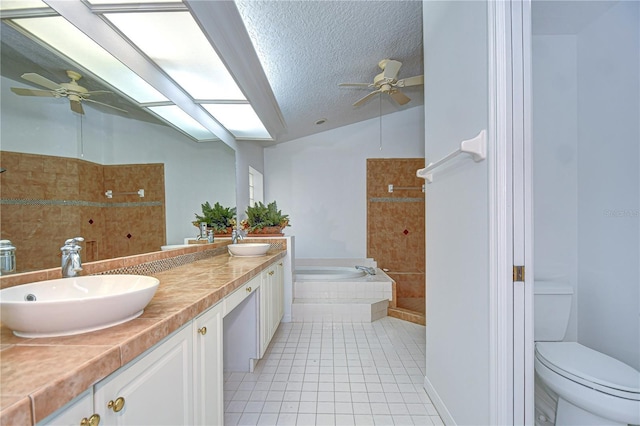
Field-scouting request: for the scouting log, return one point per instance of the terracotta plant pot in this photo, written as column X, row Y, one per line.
column 267, row 231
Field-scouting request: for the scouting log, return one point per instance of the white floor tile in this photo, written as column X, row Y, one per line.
column 306, row 419
column 363, row 420
column 381, row 420
column 287, row 419
column 345, row 420
column 267, row 419
column 325, row 419
column 249, row 419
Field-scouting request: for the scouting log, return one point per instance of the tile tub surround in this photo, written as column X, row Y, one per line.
column 363, row 299
column 38, row 376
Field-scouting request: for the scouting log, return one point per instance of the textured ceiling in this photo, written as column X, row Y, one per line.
column 307, row 47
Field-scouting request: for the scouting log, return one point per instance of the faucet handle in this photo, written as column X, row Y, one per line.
column 73, row 241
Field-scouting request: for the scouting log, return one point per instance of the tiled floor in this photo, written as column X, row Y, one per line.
column 335, row 374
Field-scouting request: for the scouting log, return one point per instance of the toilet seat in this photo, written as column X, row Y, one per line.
column 590, row 368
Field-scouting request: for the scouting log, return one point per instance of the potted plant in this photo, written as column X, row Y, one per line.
column 218, row 218
column 264, row 219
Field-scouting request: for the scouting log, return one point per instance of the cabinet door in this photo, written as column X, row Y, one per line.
column 72, row 414
column 265, row 310
column 208, row 367
column 156, row 389
column 279, row 282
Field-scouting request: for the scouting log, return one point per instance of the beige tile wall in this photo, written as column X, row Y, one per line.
column 396, row 222
column 39, row 230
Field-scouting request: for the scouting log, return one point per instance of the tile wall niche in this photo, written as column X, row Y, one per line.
column 396, row 225
column 45, row 200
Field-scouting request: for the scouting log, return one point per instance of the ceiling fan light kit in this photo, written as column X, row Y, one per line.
column 387, row 82
column 71, row 90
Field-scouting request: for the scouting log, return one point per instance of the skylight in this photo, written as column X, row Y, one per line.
column 239, row 119
column 175, row 43
column 183, row 121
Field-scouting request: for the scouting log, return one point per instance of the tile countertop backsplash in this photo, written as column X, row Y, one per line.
column 38, row 376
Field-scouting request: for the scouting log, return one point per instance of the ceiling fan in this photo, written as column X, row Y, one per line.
column 72, row 90
column 387, row 82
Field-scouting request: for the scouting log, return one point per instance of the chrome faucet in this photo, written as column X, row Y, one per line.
column 369, row 270
column 71, row 262
column 236, row 236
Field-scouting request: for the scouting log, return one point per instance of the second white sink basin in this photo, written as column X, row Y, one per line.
column 75, row 305
column 248, row 249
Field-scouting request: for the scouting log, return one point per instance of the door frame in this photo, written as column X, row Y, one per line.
column 511, row 302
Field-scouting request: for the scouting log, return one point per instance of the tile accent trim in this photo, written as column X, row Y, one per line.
column 75, row 203
column 161, row 265
column 396, row 200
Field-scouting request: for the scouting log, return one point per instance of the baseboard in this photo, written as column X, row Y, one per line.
column 444, row 414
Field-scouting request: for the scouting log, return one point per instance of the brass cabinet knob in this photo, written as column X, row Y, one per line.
column 248, row 289
column 94, row 420
column 280, row 264
column 116, row 405
column 271, row 272
column 202, row 330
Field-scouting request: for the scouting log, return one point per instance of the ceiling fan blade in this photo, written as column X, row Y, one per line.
column 107, row 105
column 410, row 81
column 391, row 69
column 354, row 85
column 32, row 92
column 42, row 81
column 97, row 92
column 399, row 97
column 366, row 98
column 76, row 106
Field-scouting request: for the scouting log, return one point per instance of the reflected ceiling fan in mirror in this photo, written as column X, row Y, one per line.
column 72, row 90
column 387, row 82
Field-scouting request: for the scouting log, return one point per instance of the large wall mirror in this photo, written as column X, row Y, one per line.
column 58, row 165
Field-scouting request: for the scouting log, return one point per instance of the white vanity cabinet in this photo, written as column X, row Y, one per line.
column 156, row 389
column 208, row 367
column 271, row 303
column 180, row 380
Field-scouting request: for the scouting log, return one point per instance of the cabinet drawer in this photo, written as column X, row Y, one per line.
column 234, row 299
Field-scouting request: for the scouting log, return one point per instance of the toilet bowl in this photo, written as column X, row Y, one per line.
column 592, row 388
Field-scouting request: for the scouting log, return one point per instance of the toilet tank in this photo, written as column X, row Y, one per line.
column 551, row 309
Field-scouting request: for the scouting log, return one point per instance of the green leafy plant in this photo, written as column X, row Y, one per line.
column 217, row 217
column 262, row 216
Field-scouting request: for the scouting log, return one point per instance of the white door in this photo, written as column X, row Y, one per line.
column 478, row 368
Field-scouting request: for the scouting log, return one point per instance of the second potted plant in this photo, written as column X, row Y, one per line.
column 264, row 220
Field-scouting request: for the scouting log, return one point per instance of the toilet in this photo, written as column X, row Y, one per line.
column 590, row 387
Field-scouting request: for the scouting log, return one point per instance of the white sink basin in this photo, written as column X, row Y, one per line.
column 248, row 249
column 75, row 305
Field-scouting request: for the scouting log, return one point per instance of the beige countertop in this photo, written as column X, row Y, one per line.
column 38, row 376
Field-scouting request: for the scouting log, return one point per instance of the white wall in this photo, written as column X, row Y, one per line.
column 457, row 211
column 320, row 180
column 609, row 182
column 194, row 172
column 555, row 166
